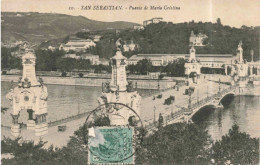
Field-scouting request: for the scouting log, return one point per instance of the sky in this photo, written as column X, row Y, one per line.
column 231, row 12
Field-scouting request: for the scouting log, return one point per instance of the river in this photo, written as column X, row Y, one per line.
column 65, row 101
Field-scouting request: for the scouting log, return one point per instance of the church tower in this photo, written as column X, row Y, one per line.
column 30, row 95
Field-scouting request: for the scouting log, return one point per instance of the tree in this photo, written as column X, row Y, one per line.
column 176, row 68
column 178, row 143
column 160, row 77
column 66, row 39
column 219, row 21
column 8, row 61
column 84, row 35
column 236, row 147
column 144, row 66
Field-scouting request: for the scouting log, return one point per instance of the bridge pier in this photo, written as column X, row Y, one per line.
column 219, row 106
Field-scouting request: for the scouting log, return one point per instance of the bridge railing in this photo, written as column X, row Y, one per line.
column 173, row 116
column 67, row 119
column 182, row 111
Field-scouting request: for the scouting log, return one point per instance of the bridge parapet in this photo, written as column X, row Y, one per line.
column 188, row 112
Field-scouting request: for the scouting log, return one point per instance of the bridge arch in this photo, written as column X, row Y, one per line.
column 203, row 113
column 216, row 102
column 227, row 98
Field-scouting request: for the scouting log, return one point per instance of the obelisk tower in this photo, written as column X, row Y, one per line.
column 118, row 91
column 29, row 95
column 118, row 80
column 241, row 68
column 192, row 67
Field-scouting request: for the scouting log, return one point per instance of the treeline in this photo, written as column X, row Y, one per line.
column 178, row 143
column 8, row 61
column 143, row 67
column 169, row 38
column 47, row 60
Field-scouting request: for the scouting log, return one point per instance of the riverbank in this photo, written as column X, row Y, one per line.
column 65, row 101
column 97, row 81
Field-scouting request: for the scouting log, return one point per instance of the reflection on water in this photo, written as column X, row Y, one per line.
column 242, row 110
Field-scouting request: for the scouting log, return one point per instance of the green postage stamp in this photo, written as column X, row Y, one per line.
column 108, row 145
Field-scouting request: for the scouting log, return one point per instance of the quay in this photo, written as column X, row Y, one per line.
column 140, row 82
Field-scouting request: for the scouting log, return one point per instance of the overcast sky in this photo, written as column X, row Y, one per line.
column 231, row 12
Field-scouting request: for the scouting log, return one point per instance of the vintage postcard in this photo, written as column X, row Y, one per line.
column 130, row 82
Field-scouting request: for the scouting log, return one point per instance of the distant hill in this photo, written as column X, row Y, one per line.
column 170, row 38
column 39, row 27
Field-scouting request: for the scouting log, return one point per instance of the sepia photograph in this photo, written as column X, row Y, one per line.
column 149, row 82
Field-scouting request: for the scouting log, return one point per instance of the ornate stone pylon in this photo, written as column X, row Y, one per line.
column 120, row 91
column 241, row 66
column 30, row 95
column 192, row 66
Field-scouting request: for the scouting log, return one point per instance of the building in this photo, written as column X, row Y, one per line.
column 156, row 59
column 157, row 19
column 77, row 45
column 52, row 48
column 138, row 27
column 129, row 46
column 153, row 20
column 197, row 40
column 94, row 59
column 71, row 56
column 253, row 66
column 96, row 38
column 214, row 61
column 103, row 61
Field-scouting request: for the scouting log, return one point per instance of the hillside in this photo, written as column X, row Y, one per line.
column 39, row 27
column 169, row 38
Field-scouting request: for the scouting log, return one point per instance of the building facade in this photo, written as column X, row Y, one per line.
column 153, row 20
column 94, row 59
column 156, row 59
column 138, row 27
column 77, row 45
column 197, row 40
column 130, row 46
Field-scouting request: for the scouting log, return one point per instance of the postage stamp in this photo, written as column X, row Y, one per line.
column 111, row 145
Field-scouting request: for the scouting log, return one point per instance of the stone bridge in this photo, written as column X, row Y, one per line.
column 185, row 114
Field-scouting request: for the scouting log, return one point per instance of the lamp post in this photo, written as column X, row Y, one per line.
column 189, row 104
column 198, row 96
column 219, row 88
column 207, row 91
column 154, row 109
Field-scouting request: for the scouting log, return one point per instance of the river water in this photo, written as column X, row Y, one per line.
column 66, row 101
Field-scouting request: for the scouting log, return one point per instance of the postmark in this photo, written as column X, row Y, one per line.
column 112, row 144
